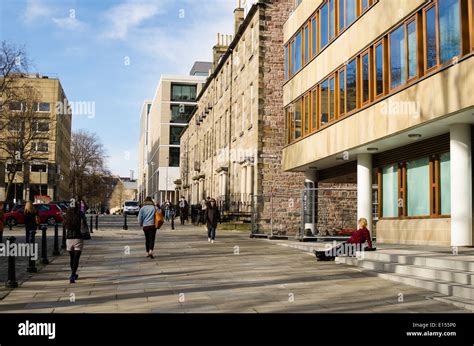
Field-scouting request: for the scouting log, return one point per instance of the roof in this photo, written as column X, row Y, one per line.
column 201, row 66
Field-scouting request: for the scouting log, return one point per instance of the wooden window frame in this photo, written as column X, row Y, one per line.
column 314, row 50
column 314, row 102
column 341, row 114
column 425, row 43
column 356, row 87
column 334, row 112
column 367, row 53
column 320, row 108
column 389, row 36
column 412, row 19
column 305, row 40
column 306, row 114
column 384, row 68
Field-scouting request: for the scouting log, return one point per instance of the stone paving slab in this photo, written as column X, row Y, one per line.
column 190, row 275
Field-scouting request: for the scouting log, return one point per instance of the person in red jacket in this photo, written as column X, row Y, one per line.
column 354, row 243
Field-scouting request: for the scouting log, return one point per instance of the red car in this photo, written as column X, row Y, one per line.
column 48, row 213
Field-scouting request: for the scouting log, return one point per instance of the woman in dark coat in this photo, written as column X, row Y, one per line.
column 74, row 239
column 212, row 218
column 32, row 222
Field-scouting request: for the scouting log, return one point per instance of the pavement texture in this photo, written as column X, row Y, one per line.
column 236, row 274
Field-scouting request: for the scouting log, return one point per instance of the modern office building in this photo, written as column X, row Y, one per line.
column 231, row 149
column 379, row 92
column 45, row 172
column 161, row 123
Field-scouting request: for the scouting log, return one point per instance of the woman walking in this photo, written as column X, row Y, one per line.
column 212, row 218
column 146, row 219
column 32, row 222
column 74, row 240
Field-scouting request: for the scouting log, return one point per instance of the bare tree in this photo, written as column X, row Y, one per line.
column 87, row 161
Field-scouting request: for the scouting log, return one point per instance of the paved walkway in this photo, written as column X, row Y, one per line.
column 235, row 274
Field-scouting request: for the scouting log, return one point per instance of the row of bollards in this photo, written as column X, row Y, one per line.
column 11, row 277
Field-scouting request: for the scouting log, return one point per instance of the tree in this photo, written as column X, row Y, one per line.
column 87, row 163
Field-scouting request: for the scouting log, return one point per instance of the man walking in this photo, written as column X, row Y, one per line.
column 183, row 210
column 212, row 218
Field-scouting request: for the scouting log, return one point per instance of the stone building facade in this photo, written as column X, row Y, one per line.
column 232, row 147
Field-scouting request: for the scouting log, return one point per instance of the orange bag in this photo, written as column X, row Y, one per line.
column 159, row 219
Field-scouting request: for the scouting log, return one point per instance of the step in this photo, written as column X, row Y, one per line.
column 450, row 275
column 467, row 304
column 448, row 288
column 463, row 263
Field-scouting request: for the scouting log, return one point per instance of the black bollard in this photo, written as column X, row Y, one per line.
column 63, row 240
column 44, row 246
column 10, row 225
column 92, row 231
column 31, row 263
column 56, row 241
column 172, row 220
column 11, row 281
column 97, row 222
column 125, row 227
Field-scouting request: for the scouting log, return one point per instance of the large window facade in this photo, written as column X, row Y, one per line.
column 183, row 92
column 420, row 45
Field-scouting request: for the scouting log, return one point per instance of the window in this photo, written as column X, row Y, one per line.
column 314, row 109
column 390, row 191
column 16, row 106
column 183, row 92
column 364, row 4
column 342, row 93
column 287, row 62
column 38, row 168
column 40, row 147
column 324, row 102
column 174, row 157
column 181, row 113
column 297, row 55
column 342, row 22
column 351, row 86
column 331, row 99
column 431, row 39
column 175, row 133
column 445, row 183
column 379, row 73
column 449, row 30
column 323, row 29
column 306, row 44
column 293, row 60
column 397, row 57
column 42, row 127
column 44, row 107
column 365, row 78
column 314, row 29
column 307, row 106
column 332, row 19
column 351, row 11
column 418, row 187
column 297, row 119
column 412, row 59
column 18, row 167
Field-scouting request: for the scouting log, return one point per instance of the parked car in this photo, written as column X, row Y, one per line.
column 48, row 213
column 131, row 207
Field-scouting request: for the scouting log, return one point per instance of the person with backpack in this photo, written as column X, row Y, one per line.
column 73, row 222
column 212, row 218
column 147, row 220
column 183, row 210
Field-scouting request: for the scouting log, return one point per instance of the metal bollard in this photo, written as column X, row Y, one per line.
column 10, row 225
column 97, row 222
column 125, row 227
column 32, row 263
column 11, row 281
column 56, row 241
column 91, row 230
column 44, row 246
column 63, row 240
column 172, row 220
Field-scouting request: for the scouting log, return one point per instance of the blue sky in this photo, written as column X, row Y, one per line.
column 111, row 53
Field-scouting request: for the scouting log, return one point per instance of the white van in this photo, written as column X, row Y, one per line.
column 131, row 207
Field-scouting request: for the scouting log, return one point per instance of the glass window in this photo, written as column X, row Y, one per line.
column 324, row 102
column 38, row 168
column 323, row 30
column 445, row 183
column 390, row 191
column 287, row 61
column 331, row 99
column 449, row 30
column 397, row 57
column 431, row 52
column 314, row 28
column 297, row 54
column 342, row 22
column 365, row 78
column 350, row 11
column 314, row 109
column 298, row 119
column 44, row 107
column 365, row 4
column 342, row 96
column 15, row 106
column 332, row 19
column 418, row 187
column 293, row 61
column 183, row 92
column 181, row 113
column 351, row 86
column 40, row 147
column 174, row 157
column 42, row 127
column 306, row 44
column 379, row 69
column 412, row 63
column 307, row 106
column 175, row 133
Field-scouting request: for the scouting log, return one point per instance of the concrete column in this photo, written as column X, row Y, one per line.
column 461, row 185
column 364, row 188
column 249, row 181
column 310, row 201
column 243, row 177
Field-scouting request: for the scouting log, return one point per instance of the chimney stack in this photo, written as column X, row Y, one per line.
column 219, row 49
column 238, row 16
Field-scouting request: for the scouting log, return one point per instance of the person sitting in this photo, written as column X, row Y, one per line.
column 354, row 243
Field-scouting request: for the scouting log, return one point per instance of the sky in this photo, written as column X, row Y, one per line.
column 111, row 53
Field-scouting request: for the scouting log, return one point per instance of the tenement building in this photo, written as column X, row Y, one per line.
column 161, row 122
column 35, row 142
column 379, row 92
column 231, row 149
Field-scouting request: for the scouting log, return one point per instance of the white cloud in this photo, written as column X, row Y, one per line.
column 124, row 17
column 35, row 9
